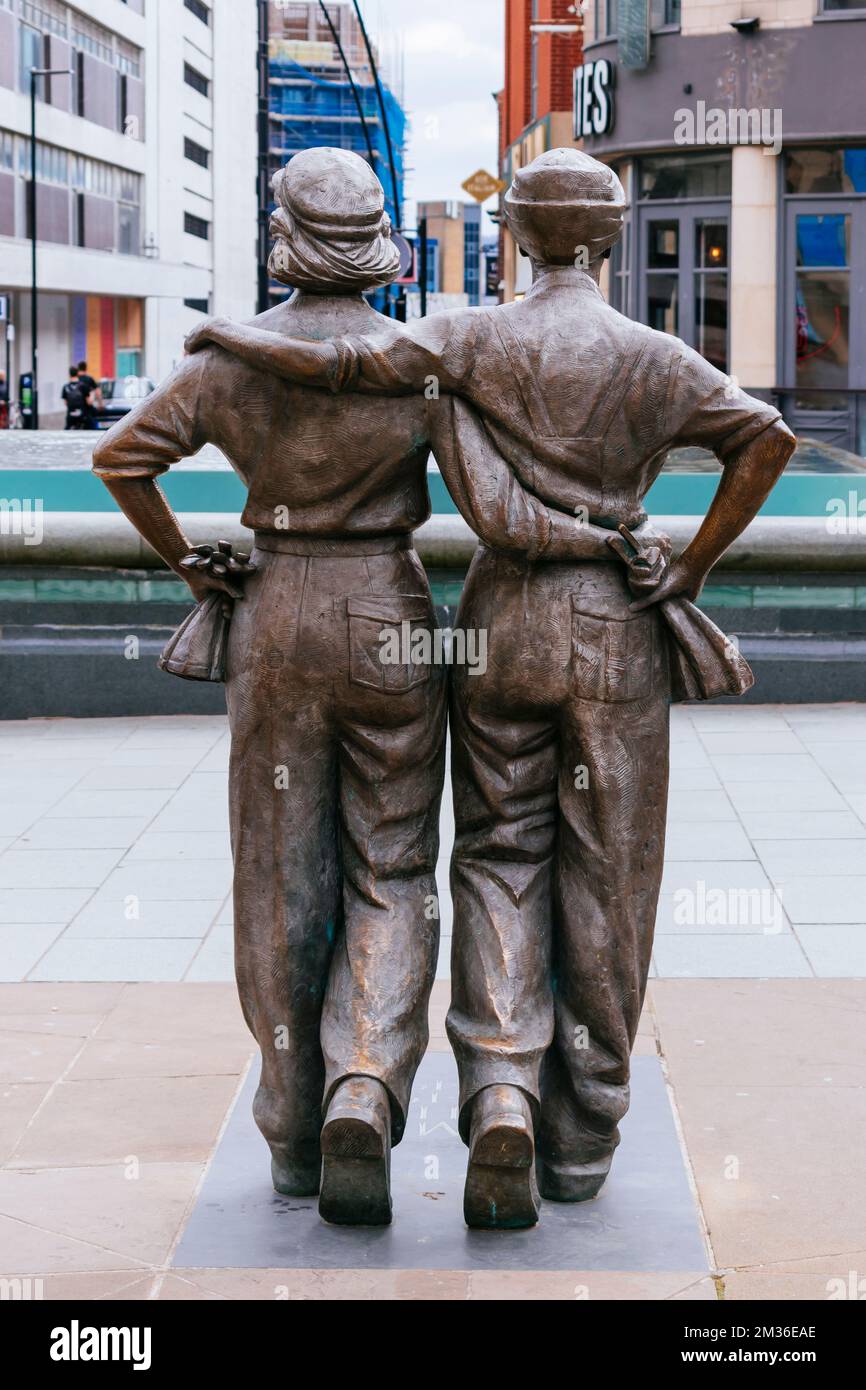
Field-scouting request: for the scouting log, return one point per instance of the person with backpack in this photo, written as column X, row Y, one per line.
column 94, row 397
column 76, row 396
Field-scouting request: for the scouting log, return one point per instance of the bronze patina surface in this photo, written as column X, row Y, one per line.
column 550, row 419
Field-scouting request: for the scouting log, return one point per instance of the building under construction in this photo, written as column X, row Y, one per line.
column 311, row 99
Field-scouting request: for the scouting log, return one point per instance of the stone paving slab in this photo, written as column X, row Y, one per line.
column 99, row 814
column 114, row 1098
column 644, row 1220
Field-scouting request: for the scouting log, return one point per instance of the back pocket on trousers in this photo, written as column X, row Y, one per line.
column 390, row 641
column 615, row 658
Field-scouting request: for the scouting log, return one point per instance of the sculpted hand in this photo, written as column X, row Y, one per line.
column 645, row 559
column 679, row 581
column 208, row 570
column 216, row 330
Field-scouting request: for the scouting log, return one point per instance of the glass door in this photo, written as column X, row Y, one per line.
column 824, row 322
column 684, row 275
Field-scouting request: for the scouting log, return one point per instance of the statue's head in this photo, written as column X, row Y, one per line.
column 332, row 233
column 563, row 204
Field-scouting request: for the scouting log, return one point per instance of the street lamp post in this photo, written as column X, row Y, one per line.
column 34, row 289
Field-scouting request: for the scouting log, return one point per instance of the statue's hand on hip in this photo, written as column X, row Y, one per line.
column 679, row 581
column 208, row 569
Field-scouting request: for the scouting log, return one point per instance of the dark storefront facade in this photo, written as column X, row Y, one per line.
column 743, row 152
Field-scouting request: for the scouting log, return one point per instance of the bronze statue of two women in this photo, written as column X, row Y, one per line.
column 550, row 419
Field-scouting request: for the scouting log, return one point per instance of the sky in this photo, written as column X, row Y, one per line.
column 453, row 62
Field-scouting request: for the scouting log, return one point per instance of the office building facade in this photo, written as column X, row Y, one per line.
column 145, row 162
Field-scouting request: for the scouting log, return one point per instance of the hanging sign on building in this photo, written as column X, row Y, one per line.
column 482, row 186
column 593, row 98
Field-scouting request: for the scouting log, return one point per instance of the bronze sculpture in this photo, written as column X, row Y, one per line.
column 337, row 760
column 561, row 746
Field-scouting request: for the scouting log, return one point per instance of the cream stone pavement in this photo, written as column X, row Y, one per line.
column 115, row 865
column 123, row 1051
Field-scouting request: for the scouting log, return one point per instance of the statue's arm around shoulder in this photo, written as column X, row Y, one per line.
column 430, row 354
column 491, row 498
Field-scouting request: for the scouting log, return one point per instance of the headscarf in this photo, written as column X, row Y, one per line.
column 333, row 234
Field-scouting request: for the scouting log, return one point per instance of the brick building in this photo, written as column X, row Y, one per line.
column 543, row 46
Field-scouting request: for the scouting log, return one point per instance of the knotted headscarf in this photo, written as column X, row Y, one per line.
column 332, row 232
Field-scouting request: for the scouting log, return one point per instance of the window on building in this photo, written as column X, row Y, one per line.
column 197, row 153
column 605, row 18
column 93, row 39
column 30, row 55
column 830, row 6
column 196, row 226
column 665, row 14
column 200, row 10
column 122, row 101
column 295, row 22
column 78, row 84
column 472, row 261
column 822, row 307
column 48, row 15
column 201, row 306
column 128, row 229
column 827, row 169
column 686, row 176
column 195, row 79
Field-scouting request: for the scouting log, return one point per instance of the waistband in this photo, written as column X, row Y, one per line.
column 338, row 547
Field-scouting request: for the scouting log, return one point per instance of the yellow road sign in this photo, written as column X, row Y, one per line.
column 482, row 186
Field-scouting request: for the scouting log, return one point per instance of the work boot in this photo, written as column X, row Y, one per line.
column 356, row 1155
column 573, row 1182
column 501, row 1193
column 294, row 1179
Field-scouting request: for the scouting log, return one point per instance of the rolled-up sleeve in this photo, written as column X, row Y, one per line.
column 705, row 407
column 158, row 432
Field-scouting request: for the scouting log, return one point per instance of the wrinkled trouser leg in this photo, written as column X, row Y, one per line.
column 501, row 1018
column 287, row 915
column 287, row 882
column 608, row 874
column 556, row 875
column 391, row 771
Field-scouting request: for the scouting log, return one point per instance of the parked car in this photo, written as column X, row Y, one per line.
column 119, row 395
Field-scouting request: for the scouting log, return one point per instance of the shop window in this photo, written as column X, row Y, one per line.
column 826, row 170
column 822, row 308
column 711, row 290
column 833, row 6
column 671, row 177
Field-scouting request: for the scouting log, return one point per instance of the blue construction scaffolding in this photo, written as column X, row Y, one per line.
column 315, row 107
